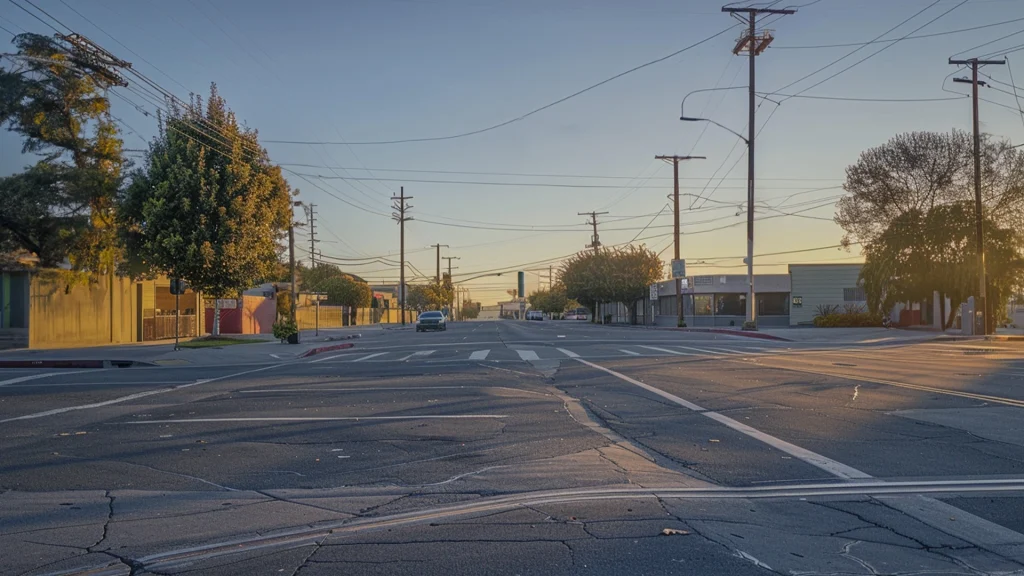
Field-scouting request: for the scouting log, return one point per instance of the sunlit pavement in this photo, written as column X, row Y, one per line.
column 525, row 448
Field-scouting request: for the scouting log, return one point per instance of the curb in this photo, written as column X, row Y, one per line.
column 322, row 349
column 73, row 363
column 337, row 338
column 743, row 333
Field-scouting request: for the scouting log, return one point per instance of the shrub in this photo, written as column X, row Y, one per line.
column 847, row 320
column 284, row 328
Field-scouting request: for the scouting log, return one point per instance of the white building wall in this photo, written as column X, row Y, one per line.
column 820, row 284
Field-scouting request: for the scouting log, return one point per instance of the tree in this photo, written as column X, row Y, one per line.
column 921, row 170
column 552, row 301
column 921, row 252
column 470, row 310
column 619, row 275
column 342, row 289
column 63, row 207
column 432, row 296
column 208, row 206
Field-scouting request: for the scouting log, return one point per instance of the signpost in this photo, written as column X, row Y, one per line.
column 318, row 296
column 178, row 287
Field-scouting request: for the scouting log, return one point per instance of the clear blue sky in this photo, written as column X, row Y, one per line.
column 393, row 69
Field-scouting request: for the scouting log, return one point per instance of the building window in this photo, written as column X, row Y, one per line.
column 854, row 295
column 702, row 304
column 730, row 304
column 703, row 280
column 776, row 304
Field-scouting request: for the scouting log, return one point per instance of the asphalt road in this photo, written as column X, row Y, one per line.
column 524, row 448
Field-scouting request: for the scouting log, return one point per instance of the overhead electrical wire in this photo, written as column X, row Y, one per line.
column 917, row 37
column 520, row 117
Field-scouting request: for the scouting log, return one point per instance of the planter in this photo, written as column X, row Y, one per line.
column 293, row 338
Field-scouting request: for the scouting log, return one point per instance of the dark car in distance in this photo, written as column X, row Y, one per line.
column 433, row 320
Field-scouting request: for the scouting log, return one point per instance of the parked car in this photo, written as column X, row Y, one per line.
column 534, row 315
column 578, row 314
column 433, row 320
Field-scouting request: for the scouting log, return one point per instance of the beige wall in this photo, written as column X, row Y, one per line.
column 86, row 315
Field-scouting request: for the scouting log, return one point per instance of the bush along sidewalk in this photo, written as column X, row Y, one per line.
column 849, row 316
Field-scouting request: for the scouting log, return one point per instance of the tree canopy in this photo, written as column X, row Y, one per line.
column 63, row 207
column 619, row 275
column 341, row 289
column 550, row 301
column 208, row 206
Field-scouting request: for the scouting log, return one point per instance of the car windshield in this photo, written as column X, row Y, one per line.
column 430, row 315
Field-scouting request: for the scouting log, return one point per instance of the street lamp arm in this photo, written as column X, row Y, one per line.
column 722, row 126
column 480, row 276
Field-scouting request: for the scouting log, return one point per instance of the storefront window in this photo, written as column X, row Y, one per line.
column 730, row 304
column 776, row 304
column 702, row 304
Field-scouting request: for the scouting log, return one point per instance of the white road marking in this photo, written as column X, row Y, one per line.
column 728, row 351
column 135, row 396
column 371, row 389
column 701, row 350
column 370, row 356
column 324, row 359
column 479, row 355
column 630, row 352
column 47, row 375
column 527, row 355
column 568, row 353
column 827, row 464
column 667, row 351
column 316, row 419
column 420, row 354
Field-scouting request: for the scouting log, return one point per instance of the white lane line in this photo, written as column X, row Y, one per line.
column 391, row 388
column 106, row 383
column 479, row 355
column 527, row 355
column 136, row 396
column 667, row 351
column 701, row 350
column 370, row 356
column 316, row 419
column 568, row 353
column 47, row 375
column 420, row 354
column 728, row 351
column 827, row 464
column 630, row 352
column 328, row 358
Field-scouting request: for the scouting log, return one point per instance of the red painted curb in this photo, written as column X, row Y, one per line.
column 743, row 333
column 322, row 349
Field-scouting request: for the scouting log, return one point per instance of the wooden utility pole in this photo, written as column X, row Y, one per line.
column 400, row 207
column 451, row 305
column 752, row 43
column 595, row 240
column 979, row 214
column 311, row 217
column 439, row 246
column 675, row 227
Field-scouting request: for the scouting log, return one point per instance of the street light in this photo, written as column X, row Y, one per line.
column 749, row 261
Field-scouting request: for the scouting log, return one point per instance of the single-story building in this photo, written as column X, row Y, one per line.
column 720, row 300
column 815, row 286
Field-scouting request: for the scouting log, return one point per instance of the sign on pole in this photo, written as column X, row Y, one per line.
column 678, row 269
column 654, row 291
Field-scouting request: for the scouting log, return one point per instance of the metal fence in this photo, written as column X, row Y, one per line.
column 162, row 327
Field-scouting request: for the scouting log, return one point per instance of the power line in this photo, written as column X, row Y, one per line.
column 917, row 37
column 521, row 117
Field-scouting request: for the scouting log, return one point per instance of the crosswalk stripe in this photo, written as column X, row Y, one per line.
column 420, row 354
column 630, row 352
column 727, row 351
column 479, row 355
column 527, row 355
column 568, row 353
column 667, row 351
column 370, row 356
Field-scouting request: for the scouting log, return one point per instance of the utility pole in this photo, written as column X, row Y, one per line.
column 979, row 215
column 595, row 240
column 439, row 246
column 400, row 207
column 675, row 226
column 451, row 304
column 311, row 216
column 754, row 44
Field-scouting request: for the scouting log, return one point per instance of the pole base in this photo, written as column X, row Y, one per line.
column 750, row 326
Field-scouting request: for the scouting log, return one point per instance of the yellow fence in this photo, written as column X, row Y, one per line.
column 85, row 315
column 340, row 316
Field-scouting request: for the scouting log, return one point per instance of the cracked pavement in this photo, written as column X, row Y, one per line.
column 523, row 463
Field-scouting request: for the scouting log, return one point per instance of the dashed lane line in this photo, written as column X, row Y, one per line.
column 568, row 353
column 364, row 358
column 629, row 352
column 667, row 351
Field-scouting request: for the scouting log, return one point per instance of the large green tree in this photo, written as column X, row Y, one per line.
column 62, row 207
column 208, row 206
column 341, row 289
column 611, row 275
column 550, row 301
column 936, row 250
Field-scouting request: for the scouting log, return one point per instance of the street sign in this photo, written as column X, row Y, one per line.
column 654, row 291
column 678, row 269
column 178, row 286
column 686, row 283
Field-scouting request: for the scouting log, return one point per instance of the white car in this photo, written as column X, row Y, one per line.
column 534, row 315
column 433, row 320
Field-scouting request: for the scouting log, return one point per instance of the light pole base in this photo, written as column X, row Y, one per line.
column 750, row 326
